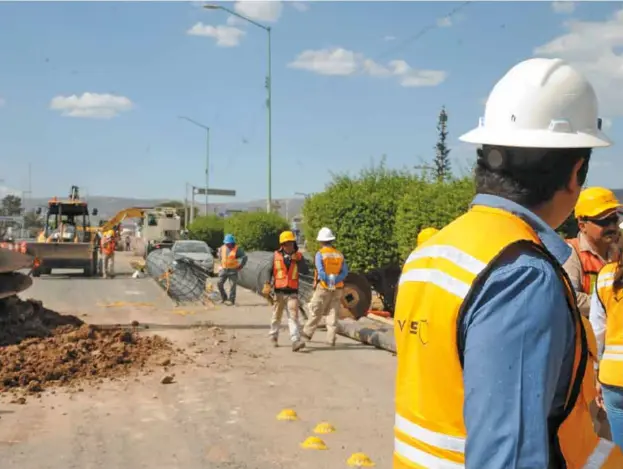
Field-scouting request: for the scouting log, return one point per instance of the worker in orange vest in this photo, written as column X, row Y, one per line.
column 331, row 271
column 232, row 259
column 287, row 265
column 107, row 249
column 596, row 243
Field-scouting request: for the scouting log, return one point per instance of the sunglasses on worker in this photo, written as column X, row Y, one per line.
column 613, row 219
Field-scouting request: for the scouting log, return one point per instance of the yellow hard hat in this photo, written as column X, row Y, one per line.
column 425, row 235
column 594, row 201
column 109, row 233
column 286, row 236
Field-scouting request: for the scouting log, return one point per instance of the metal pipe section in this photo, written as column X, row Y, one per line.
column 369, row 332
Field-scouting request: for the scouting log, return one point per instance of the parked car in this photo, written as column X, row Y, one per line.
column 197, row 251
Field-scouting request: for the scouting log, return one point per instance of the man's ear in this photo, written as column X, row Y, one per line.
column 577, row 180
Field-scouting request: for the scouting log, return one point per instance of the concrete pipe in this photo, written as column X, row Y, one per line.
column 369, row 332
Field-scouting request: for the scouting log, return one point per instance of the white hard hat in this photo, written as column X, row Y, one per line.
column 541, row 103
column 325, row 234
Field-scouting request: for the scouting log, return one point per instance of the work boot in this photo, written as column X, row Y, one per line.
column 298, row 345
column 274, row 341
column 305, row 336
column 331, row 342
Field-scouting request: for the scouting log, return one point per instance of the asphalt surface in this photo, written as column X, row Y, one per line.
column 221, row 411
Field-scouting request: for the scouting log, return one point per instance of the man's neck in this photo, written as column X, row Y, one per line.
column 599, row 248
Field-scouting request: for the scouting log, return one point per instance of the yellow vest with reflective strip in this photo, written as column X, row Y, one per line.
column 436, row 280
column 611, row 364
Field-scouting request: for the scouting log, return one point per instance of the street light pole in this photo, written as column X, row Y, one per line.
column 207, row 174
column 269, row 86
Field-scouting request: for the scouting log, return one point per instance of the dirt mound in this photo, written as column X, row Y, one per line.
column 49, row 349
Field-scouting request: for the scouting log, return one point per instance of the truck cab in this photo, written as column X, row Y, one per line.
column 161, row 227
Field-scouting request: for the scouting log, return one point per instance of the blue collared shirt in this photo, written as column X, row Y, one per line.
column 519, row 349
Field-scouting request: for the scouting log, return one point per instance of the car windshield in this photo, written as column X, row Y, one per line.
column 191, row 247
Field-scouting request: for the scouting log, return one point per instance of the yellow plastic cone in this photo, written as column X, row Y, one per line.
column 323, row 428
column 313, row 442
column 287, row 414
column 359, row 460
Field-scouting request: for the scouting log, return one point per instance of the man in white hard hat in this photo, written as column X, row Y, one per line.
column 331, row 270
column 494, row 367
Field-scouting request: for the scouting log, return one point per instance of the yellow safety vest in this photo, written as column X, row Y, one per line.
column 611, row 364
column 332, row 261
column 436, row 280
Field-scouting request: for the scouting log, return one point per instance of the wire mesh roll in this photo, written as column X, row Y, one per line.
column 183, row 280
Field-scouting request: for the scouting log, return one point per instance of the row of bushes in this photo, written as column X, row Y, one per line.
column 375, row 215
column 254, row 231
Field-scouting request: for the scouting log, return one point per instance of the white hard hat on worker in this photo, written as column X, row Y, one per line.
column 325, row 235
column 541, row 103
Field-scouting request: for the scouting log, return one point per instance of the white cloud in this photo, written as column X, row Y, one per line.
column 235, row 21
column 226, row 36
column 91, row 105
column 444, row 22
column 300, row 6
column 389, row 38
column 260, row 10
column 564, row 7
column 595, row 48
column 343, row 62
column 5, row 190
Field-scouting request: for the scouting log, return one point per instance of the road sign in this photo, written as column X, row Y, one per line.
column 225, row 192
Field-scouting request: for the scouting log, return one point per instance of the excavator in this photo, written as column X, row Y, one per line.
column 67, row 240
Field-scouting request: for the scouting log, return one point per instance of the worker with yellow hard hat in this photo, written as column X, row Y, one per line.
column 107, row 252
column 596, row 243
column 495, row 365
column 425, row 235
column 284, row 283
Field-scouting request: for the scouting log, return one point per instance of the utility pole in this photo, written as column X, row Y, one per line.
column 207, row 179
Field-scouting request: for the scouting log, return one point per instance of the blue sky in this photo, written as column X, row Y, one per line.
column 141, row 58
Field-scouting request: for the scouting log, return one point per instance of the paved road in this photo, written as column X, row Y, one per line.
column 221, row 411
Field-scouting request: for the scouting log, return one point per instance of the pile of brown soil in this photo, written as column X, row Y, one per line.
column 40, row 348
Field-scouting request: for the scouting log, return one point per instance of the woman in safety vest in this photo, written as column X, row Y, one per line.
column 606, row 317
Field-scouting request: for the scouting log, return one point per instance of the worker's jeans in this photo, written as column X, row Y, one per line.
column 613, row 400
column 108, row 265
column 324, row 303
column 223, row 276
column 288, row 302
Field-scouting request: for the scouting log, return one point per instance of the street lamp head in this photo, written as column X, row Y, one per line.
column 212, row 7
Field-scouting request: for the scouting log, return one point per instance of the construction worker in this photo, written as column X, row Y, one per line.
column 596, row 243
column 494, row 370
column 331, row 270
column 107, row 250
column 425, row 235
column 288, row 263
column 606, row 316
column 233, row 260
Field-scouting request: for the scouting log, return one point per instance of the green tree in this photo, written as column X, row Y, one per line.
column 257, row 231
column 209, row 229
column 361, row 211
column 443, row 169
column 430, row 204
column 11, row 206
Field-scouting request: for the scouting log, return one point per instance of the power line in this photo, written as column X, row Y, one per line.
column 421, row 32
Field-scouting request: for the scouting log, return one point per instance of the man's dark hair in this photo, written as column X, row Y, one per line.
column 528, row 176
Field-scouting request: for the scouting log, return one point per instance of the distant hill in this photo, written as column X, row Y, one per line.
column 108, row 206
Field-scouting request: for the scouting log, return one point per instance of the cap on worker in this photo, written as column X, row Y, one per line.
column 426, row 234
column 541, row 103
column 229, row 239
column 286, row 236
column 596, row 201
column 325, row 235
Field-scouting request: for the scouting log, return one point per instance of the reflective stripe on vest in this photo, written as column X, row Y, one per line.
column 591, row 265
column 332, row 261
column 611, row 364
column 229, row 260
column 286, row 277
column 437, row 278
